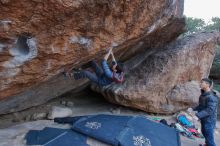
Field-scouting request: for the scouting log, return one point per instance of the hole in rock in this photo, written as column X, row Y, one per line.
column 21, row 47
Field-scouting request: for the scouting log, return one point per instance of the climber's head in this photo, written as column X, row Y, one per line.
column 117, row 67
column 206, row 84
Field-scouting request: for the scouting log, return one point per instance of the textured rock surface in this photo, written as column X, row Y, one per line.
column 164, row 82
column 39, row 38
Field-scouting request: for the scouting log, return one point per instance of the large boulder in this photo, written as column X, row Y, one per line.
column 38, row 39
column 167, row 80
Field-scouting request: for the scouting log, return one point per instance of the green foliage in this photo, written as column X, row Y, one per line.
column 194, row 25
column 197, row 24
column 216, row 62
column 215, row 25
column 217, row 87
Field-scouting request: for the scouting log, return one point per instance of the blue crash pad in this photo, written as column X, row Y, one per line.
column 127, row 130
column 55, row 137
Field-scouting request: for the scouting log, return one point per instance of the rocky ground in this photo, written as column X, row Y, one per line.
column 15, row 126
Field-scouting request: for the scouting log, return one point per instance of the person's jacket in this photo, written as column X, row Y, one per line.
column 207, row 108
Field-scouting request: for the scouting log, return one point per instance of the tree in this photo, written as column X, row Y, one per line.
column 194, row 25
column 214, row 25
column 197, row 24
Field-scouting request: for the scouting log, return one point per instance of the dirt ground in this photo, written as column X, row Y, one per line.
column 83, row 104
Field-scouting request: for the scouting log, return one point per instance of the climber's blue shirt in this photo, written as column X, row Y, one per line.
column 106, row 78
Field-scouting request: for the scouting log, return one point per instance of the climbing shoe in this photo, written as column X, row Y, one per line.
column 77, row 75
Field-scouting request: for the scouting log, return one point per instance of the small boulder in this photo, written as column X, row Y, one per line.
column 63, row 102
column 16, row 117
column 27, row 118
column 69, row 104
column 59, row 112
column 38, row 116
column 115, row 111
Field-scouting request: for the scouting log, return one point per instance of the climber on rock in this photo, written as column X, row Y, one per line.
column 103, row 75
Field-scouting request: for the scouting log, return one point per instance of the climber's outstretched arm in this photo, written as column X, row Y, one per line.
column 113, row 57
column 108, row 54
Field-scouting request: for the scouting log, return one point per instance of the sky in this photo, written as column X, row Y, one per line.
column 205, row 9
